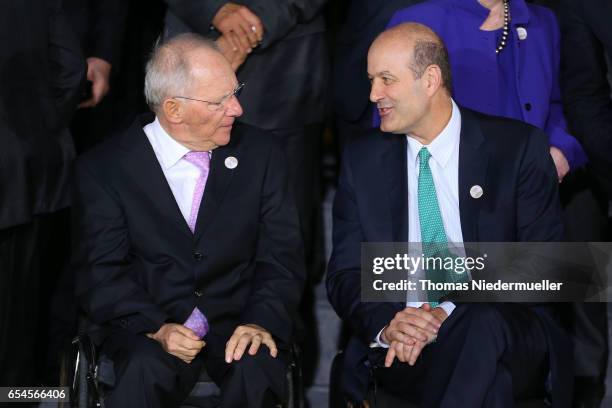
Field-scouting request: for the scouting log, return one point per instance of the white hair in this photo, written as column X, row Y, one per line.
column 168, row 71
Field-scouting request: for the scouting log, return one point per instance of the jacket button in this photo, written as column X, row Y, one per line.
column 198, row 256
column 198, row 293
column 527, row 106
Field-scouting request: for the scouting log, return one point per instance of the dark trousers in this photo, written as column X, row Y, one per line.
column 486, row 355
column 585, row 220
column 31, row 257
column 147, row 376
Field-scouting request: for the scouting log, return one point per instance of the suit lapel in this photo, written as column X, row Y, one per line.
column 219, row 179
column 394, row 165
column 473, row 162
column 145, row 167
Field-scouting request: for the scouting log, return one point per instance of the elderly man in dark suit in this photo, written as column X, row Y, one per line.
column 279, row 49
column 187, row 241
column 446, row 174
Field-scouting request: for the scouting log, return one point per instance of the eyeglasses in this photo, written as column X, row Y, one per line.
column 216, row 106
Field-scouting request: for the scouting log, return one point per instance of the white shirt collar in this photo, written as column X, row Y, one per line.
column 443, row 146
column 168, row 150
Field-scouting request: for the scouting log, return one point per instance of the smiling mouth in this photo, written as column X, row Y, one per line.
column 384, row 111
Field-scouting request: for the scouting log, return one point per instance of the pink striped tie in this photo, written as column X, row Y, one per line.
column 202, row 161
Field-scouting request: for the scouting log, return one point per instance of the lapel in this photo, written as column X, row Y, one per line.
column 396, row 180
column 219, row 179
column 473, row 162
column 143, row 164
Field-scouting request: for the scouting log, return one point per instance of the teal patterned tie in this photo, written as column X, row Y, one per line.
column 433, row 236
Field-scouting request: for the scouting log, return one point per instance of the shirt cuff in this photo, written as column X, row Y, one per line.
column 378, row 342
column 448, row 307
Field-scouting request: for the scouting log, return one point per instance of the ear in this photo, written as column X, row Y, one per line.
column 433, row 79
column 173, row 110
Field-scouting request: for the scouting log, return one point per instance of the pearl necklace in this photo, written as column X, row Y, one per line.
column 502, row 42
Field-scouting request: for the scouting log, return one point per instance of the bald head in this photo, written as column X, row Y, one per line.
column 170, row 68
column 425, row 45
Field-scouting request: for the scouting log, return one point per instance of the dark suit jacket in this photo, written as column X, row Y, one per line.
column 586, row 36
column 99, row 25
column 138, row 265
column 508, row 159
column 42, row 71
column 287, row 74
column 365, row 19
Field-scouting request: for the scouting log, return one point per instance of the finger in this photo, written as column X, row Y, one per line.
column 243, row 343
column 253, row 21
column 178, row 354
column 89, row 103
column 390, row 357
column 412, row 331
column 415, row 353
column 230, row 346
column 401, row 351
column 232, row 40
column 187, row 332
column 398, row 335
column 97, row 92
column 191, row 345
column 242, row 34
column 242, row 46
column 422, row 314
column 250, row 32
column 269, row 341
column 427, row 321
column 255, row 343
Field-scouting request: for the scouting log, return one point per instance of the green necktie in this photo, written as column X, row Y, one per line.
column 433, row 236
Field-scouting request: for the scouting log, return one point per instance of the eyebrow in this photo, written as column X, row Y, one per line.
column 381, row 73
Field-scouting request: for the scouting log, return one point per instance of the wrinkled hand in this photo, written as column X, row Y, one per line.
column 561, row 163
column 235, row 56
column 245, row 335
column 179, row 341
column 239, row 20
column 98, row 72
column 410, row 331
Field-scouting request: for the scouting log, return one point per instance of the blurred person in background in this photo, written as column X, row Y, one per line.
column 42, row 76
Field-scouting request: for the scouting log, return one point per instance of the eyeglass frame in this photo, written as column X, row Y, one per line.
column 235, row 92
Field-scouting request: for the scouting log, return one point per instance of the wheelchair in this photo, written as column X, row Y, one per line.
column 86, row 372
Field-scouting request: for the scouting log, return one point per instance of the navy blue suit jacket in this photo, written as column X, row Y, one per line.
column 509, row 159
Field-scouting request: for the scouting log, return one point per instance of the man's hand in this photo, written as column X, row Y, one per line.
column 561, row 163
column 98, row 72
column 179, row 341
column 235, row 56
column 411, row 325
column 245, row 335
column 408, row 351
column 242, row 22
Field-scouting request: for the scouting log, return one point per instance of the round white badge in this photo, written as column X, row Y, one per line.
column 521, row 32
column 231, row 162
column 476, row 191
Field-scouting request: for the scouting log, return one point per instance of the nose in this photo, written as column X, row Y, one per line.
column 375, row 92
column 233, row 107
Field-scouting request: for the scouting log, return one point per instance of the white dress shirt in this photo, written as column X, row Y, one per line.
column 444, row 165
column 180, row 174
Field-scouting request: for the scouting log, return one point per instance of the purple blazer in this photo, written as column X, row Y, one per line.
column 476, row 75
